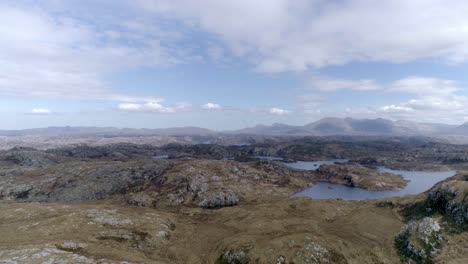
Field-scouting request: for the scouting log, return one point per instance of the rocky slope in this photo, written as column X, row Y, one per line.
column 158, row 183
column 116, row 204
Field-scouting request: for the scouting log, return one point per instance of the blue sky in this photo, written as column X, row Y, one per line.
column 230, row 64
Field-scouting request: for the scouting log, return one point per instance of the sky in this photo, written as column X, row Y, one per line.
column 230, row 64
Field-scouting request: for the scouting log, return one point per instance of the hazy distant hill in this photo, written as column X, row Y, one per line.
column 461, row 130
column 351, row 126
column 275, row 129
column 105, row 131
column 330, row 126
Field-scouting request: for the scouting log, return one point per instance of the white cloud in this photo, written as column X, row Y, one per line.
column 41, row 111
column 396, row 108
column 285, row 35
column 435, row 100
column 155, row 106
column 424, row 86
column 330, row 84
column 279, row 111
column 55, row 54
column 212, row 106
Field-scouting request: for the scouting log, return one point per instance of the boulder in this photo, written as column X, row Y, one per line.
column 234, row 256
column 419, row 240
column 219, row 199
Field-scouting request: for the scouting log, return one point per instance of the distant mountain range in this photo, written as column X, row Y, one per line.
column 359, row 127
column 106, row 131
column 323, row 127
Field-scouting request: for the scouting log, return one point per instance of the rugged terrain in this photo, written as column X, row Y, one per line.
column 121, row 203
column 355, row 175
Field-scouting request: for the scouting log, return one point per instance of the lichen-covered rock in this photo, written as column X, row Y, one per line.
column 429, row 233
column 71, row 246
column 281, row 260
column 177, row 197
column 234, row 256
column 219, row 199
column 419, row 241
column 450, row 198
column 199, row 184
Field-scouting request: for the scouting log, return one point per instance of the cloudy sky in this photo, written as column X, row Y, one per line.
column 230, row 64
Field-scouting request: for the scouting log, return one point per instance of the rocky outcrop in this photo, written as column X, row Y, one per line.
column 117, row 152
column 78, row 182
column 214, row 184
column 202, row 191
column 354, row 175
column 28, row 157
column 219, row 199
column 450, row 198
column 234, row 256
column 419, row 241
column 206, row 184
column 304, row 250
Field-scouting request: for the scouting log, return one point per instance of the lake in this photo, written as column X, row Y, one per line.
column 161, row 157
column 313, row 165
column 419, row 181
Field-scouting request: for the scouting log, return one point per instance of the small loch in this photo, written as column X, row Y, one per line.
column 418, row 182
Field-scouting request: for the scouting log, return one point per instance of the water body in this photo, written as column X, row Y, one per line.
column 419, row 181
column 161, row 157
column 268, row 158
column 313, row 165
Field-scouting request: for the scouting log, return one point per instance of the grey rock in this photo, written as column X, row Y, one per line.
column 450, row 198
column 234, row 256
column 78, row 182
column 281, row 260
column 28, row 157
column 219, row 199
column 199, row 184
column 71, row 246
column 419, row 242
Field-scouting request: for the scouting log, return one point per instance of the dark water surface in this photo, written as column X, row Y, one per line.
column 419, row 181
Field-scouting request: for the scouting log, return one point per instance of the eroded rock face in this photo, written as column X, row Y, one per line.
column 420, row 241
column 450, row 198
